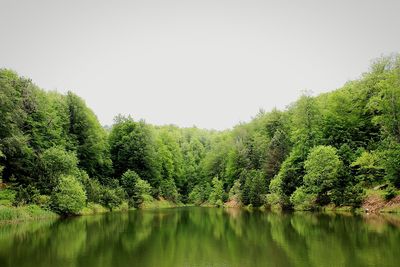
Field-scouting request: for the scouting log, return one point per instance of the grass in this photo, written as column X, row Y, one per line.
column 7, row 197
column 391, row 210
column 29, row 212
column 93, row 208
column 158, row 204
column 334, row 208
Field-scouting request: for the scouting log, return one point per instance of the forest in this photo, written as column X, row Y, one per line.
column 328, row 149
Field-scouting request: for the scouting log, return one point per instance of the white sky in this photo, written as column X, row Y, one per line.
column 209, row 63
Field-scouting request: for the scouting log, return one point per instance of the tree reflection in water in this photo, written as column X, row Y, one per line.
column 203, row 237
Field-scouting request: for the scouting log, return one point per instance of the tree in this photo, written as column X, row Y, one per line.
column 391, row 161
column 368, row 168
column 55, row 162
column 387, row 103
column 1, row 166
column 142, row 192
column 322, row 169
column 234, row 192
column 128, row 182
column 257, row 188
column 306, row 123
column 302, row 199
column 68, row 197
column 217, row 192
column 111, row 197
column 168, row 190
column 136, row 189
column 132, row 146
column 88, row 138
column 200, row 193
column 288, row 179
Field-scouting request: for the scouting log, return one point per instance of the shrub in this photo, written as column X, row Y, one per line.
column 352, row 195
column 322, row 168
column 390, row 192
column 111, row 198
column 43, row 201
column 234, row 192
column 94, row 191
column 195, row 196
column 368, row 169
column 217, row 192
column 55, row 162
column 254, row 188
column 200, row 193
column 168, row 190
column 26, row 195
column 68, row 197
column 142, row 192
column 7, row 197
column 219, row 203
column 138, row 190
column 128, row 181
column 302, row 200
column 257, row 189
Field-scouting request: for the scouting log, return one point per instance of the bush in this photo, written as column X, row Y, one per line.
column 322, row 169
column 217, row 192
column 254, row 188
column 168, row 190
column 195, row 196
column 142, row 192
column 128, row 181
column 139, row 190
column 257, row 189
column 7, row 197
column 287, row 180
column 111, row 198
column 94, row 191
column 390, row 192
column 43, row 201
column 219, row 203
column 68, row 197
column 234, row 192
column 368, row 169
column 55, row 162
column 392, row 164
column 200, row 193
column 26, row 195
column 302, row 200
column 352, row 195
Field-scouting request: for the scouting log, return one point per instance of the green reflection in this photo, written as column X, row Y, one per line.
column 203, row 237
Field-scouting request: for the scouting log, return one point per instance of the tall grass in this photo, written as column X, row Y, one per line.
column 23, row 213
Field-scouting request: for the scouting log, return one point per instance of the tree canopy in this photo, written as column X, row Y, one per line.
column 324, row 149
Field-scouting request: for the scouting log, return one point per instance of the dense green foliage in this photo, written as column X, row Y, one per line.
column 68, row 196
column 320, row 150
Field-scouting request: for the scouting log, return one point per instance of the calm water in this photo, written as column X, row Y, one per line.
column 203, row 237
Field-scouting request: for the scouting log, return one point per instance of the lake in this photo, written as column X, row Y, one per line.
column 200, row 237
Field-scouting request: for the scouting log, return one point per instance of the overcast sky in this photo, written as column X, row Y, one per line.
column 209, row 63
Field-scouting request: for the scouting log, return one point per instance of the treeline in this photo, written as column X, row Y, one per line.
column 320, row 150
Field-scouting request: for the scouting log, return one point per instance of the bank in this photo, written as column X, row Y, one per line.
column 13, row 214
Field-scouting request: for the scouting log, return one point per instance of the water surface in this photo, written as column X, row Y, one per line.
column 203, row 237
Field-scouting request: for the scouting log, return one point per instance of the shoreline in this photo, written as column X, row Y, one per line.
column 33, row 212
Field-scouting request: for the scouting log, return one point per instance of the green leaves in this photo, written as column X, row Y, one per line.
column 322, row 168
column 217, row 192
column 68, row 197
column 321, row 149
column 132, row 146
column 321, row 174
